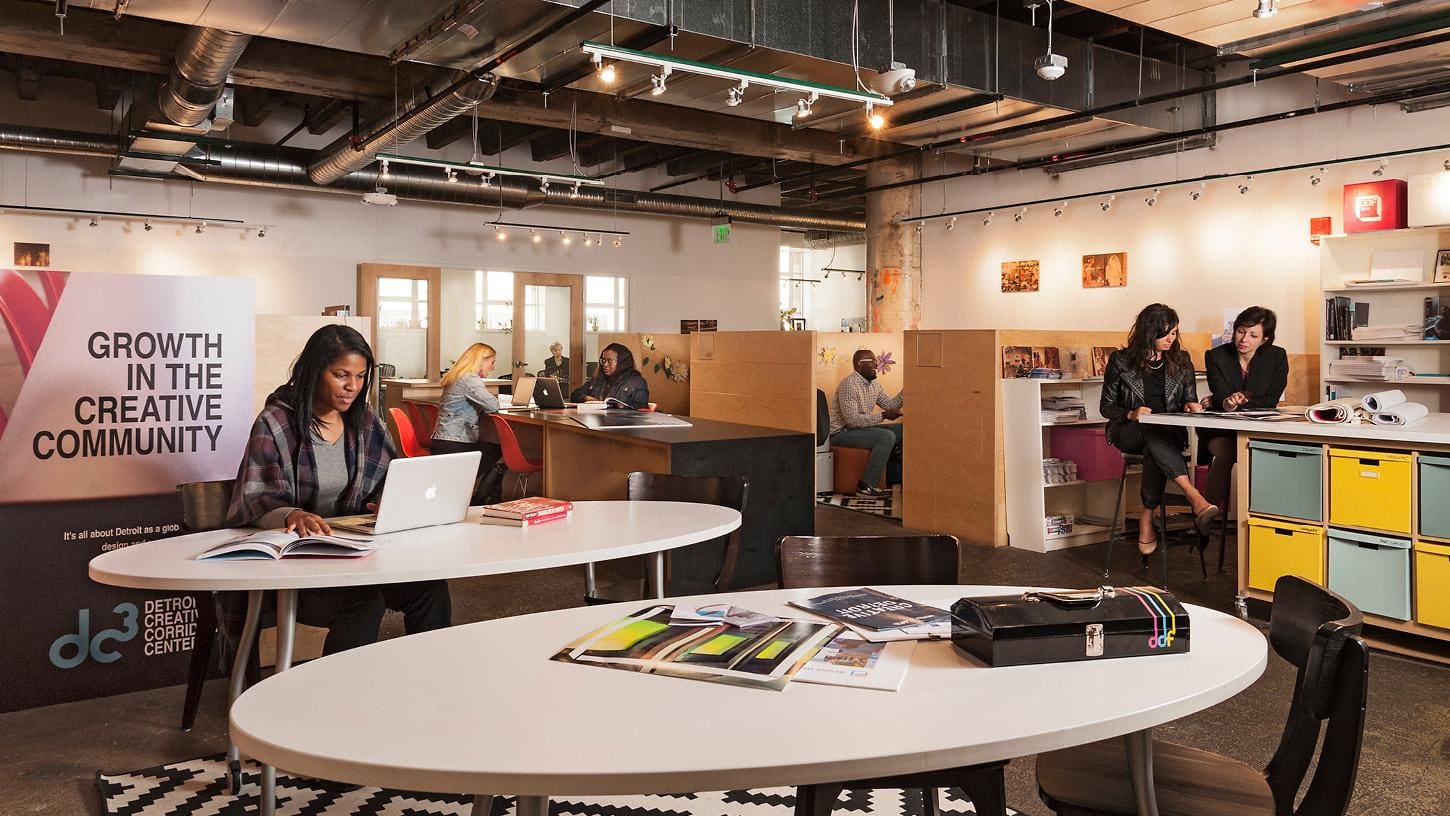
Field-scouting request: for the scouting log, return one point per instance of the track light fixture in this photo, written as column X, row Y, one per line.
column 127, row 217
column 574, row 193
column 876, row 120
column 1244, row 185
column 736, row 95
column 1446, row 165
column 454, row 170
column 451, row 176
column 1196, row 194
column 94, row 222
column 987, row 222
column 200, row 228
column 804, row 104
column 618, row 242
column 592, row 237
column 606, row 72
column 148, row 225
column 536, row 236
column 564, row 238
column 952, row 223
column 1266, row 9
column 262, row 233
column 500, row 234
column 386, row 172
column 1380, row 171
column 657, row 81
column 1057, row 211
column 1152, row 199
column 1316, row 178
column 1107, row 203
column 1019, row 215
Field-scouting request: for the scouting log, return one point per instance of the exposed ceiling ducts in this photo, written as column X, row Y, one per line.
column 205, row 58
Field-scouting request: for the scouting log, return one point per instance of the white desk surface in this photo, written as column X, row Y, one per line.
column 1433, row 429
column 482, row 709
column 597, row 531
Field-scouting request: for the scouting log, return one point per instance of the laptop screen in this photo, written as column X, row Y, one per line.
column 523, row 391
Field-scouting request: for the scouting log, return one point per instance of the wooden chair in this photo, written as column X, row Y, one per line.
column 820, row 561
column 513, row 454
column 421, row 430
column 407, row 437
column 716, row 557
column 1312, row 628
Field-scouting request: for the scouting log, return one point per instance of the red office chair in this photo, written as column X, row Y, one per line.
column 421, row 431
column 513, row 455
column 407, row 437
column 430, row 420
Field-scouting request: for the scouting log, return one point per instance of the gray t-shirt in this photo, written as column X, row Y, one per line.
column 331, row 460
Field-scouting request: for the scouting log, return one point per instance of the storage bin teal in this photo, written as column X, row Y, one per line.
column 1434, row 489
column 1372, row 571
column 1286, row 480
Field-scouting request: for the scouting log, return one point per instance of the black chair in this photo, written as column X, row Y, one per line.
column 821, row 561
column 708, row 566
column 1119, row 527
column 1318, row 632
column 203, row 507
column 823, row 418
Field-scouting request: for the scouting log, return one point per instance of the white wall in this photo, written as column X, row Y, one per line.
column 309, row 258
column 1225, row 250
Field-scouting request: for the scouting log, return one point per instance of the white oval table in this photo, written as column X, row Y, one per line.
column 596, row 531
column 482, row 709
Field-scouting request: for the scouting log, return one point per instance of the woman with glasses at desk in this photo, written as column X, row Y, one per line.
column 1153, row 374
column 316, row 451
column 616, row 378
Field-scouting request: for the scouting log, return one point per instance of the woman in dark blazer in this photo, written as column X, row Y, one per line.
column 1249, row 374
column 1153, row 374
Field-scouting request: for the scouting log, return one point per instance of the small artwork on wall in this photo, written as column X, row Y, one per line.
column 1108, row 270
column 1016, row 361
column 1442, row 266
column 1046, row 357
column 32, row 254
column 1020, row 276
column 1100, row 359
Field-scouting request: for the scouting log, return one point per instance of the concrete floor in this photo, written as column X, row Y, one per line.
column 49, row 756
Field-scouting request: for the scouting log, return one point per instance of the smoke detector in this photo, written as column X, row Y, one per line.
column 380, row 197
column 1050, row 66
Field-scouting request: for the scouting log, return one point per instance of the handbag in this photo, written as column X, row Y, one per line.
column 1055, row 627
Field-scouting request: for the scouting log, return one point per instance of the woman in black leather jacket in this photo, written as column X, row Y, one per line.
column 1153, row 374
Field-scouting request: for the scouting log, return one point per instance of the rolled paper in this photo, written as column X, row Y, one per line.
column 1384, row 400
column 1402, row 414
column 1333, row 412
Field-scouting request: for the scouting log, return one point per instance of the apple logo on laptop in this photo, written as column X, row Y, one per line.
column 432, row 492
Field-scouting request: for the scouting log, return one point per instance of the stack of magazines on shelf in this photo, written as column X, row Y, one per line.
column 526, row 512
column 1063, row 408
column 1044, row 374
column 1057, row 524
column 1364, row 333
column 1058, row 471
column 1371, row 368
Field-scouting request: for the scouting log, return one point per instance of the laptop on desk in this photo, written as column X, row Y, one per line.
column 419, row 492
column 548, row 393
column 522, row 398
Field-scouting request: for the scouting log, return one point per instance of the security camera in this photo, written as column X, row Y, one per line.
column 1050, row 66
column 895, row 79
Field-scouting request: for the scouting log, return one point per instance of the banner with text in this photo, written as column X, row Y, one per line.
column 113, row 390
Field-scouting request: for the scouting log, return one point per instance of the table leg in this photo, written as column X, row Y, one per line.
column 286, row 631
column 482, row 804
column 1139, row 745
column 533, row 806
column 656, row 566
column 239, row 680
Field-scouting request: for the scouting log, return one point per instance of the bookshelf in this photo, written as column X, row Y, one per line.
column 1349, row 257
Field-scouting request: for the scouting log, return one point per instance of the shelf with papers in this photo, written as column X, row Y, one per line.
column 1074, row 422
column 1428, row 381
column 1079, row 530
column 1386, row 287
column 1064, row 484
column 1416, row 342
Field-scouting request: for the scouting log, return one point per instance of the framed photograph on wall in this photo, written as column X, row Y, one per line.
column 797, row 324
column 1020, row 276
column 36, row 255
column 1107, row 270
column 1442, row 266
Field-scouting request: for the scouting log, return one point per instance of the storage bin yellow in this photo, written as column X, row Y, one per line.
column 1283, row 548
column 1369, row 488
column 1432, row 584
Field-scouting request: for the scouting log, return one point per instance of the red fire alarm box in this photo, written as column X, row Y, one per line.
column 1375, row 205
column 1318, row 228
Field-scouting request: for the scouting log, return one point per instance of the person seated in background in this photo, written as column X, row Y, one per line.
column 855, row 423
column 1249, row 374
column 615, row 378
column 557, row 365
column 465, row 405
column 317, row 450
column 1153, row 374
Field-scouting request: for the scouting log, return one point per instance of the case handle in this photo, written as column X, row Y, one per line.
column 1072, row 599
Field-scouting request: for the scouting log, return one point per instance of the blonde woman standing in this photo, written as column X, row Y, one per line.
column 465, row 405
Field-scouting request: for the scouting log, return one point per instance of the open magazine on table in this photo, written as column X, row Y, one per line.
column 275, row 544
column 878, row 617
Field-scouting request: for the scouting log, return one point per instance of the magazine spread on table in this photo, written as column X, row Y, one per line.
column 763, row 654
column 274, row 544
column 878, row 617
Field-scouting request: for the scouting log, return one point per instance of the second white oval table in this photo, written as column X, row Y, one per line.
column 482, row 709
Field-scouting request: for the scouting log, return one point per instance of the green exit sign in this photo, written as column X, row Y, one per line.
column 722, row 233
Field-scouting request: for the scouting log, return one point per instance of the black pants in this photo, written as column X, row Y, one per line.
column 352, row 615
column 1162, row 450
column 488, row 483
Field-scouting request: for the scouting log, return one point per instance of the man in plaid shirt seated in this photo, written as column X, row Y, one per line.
column 855, row 423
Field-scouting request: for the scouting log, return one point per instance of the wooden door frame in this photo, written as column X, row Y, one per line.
column 367, row 306
column 575, row 283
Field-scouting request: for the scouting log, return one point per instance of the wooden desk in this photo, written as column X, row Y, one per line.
column 584, row 464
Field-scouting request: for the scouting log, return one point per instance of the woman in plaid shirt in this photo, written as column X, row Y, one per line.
column 317, row 450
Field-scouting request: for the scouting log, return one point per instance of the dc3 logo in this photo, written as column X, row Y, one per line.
column 95, row 647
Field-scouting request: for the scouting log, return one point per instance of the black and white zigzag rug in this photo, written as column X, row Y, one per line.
column 875, row 505
column 198, row 788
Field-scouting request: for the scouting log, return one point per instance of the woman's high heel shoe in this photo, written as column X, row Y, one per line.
column 1147, row 548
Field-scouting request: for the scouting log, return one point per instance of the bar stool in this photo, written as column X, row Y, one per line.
column 1160, row 526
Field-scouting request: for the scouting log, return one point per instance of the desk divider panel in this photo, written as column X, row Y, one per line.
column 669, row 395
column 831, row 358
column 754, row 378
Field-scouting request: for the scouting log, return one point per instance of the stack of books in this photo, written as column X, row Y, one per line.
column 526, row 512
column 1059, row 524
column 1065, row 408
column 1058, row 471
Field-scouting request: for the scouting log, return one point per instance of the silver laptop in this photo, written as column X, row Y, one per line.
column 419, row 492
column 548, row 393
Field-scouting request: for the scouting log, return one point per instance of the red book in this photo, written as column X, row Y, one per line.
column 527, row 508
column 525, row 522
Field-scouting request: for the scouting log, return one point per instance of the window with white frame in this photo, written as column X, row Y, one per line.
column 493, row 306
column 402, row 303
column 605, row 303
column 793, row 293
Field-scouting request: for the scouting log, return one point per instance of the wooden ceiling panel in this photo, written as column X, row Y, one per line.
column 1215, row 22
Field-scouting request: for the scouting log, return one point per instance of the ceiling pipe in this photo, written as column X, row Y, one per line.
column 286, row 168
column 352, row 153
column 969, row 140
column 203, row 60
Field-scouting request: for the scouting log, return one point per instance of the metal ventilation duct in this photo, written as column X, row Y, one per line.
column 343, row 157
column 280, row 167
column 203, row 60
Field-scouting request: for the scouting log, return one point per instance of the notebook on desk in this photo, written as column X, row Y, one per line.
column 419, row 492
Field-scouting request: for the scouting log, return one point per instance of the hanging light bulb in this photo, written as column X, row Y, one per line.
column 1057, row 211
column 565, row 239
column 536, row 236
column 657, row 81
column 500, row 234
column 606, row 72
column 876, row 120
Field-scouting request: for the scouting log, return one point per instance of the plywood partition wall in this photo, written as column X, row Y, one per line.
column 671, row 395
column 280, row 339
column 756, row 378
column 831, row 358
column 1303, row 386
